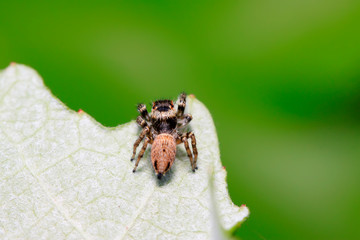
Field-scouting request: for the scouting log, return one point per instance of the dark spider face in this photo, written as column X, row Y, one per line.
column 163, row 109
column 163, row 105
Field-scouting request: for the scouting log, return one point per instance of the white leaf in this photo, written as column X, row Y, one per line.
column 65, row 176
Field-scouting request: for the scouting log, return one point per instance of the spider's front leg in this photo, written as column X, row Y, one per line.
column 182, row 122
column 143, row 133
column 143, row 111
column 181, row 105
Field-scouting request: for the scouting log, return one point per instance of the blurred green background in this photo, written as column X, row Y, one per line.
column 281, row 79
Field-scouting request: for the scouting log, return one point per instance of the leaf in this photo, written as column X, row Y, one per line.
column 65, row 176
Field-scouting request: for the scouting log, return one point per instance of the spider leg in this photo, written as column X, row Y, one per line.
column 142, row 123
column 184, row 121
column 194, row 148
column 184, row 139
column 181, row 105
column 143, row 111
column 140, row 120
column 141, row 153
column 143, row 133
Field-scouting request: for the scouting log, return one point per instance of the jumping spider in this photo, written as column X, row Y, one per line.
column 161, row 129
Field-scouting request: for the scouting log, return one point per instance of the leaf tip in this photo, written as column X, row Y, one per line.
column 245, row 211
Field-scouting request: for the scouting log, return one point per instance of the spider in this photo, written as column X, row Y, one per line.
column 161, row 129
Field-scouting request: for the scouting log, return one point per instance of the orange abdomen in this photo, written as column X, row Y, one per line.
column 163, row 151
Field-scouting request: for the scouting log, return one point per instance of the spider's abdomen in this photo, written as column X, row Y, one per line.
column 163, row 151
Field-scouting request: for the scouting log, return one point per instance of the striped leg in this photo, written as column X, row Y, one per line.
column 181, row 105
column 194, row 148
column 184, row 139
column 143, row 111
column 141, row 153
column 143, row 133
column 184, row 121
column 140, row 120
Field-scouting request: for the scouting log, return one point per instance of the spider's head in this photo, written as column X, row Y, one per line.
column 163, row 105
column 163, row 109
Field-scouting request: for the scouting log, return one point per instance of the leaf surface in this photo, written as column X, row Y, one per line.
column 65, row 176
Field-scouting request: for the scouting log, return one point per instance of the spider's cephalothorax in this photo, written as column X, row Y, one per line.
column 161, row 129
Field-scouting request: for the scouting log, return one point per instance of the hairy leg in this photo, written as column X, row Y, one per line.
column 143, row 111
column 141, row 153
column 183, row 138
column 181, row 105
column 140, row 120
column 143, row 133
column 184, row 121
column 194, row 148
column 188, row 151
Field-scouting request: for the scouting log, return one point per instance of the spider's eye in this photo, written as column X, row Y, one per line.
column 172, row 104
column 163, row 108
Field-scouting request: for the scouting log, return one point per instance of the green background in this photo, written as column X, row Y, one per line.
column 281, row 79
